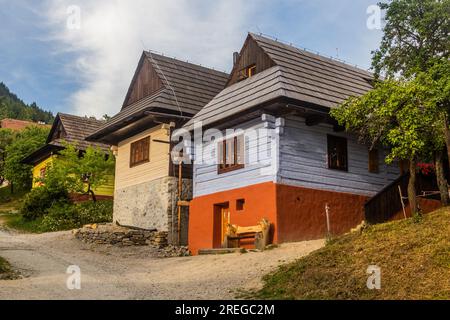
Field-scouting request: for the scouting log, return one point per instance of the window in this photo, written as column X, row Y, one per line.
column 337, row 153
column 140, row 152
column 373, row 161
column 42, row 172
column 231, row 154
column 240, row 204
column 250, row 71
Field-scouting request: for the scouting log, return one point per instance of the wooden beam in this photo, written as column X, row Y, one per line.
column 338, row 128
column 313, row 120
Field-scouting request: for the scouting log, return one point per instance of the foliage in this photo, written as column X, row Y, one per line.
column 12, row 107
column 79, row 172
column 39, row 200
column 25, row 142
column 64, row 216
column 6, row 138
column 415, row 35
column 396, row 114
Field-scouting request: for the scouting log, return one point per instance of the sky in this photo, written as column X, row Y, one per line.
column 78, row 56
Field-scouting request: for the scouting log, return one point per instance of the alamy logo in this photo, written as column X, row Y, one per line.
column 73, row 17
column 374, row 279
column 74, row 280
column 374, row 19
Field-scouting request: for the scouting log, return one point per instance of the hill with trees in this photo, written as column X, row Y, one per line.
column 13, row 107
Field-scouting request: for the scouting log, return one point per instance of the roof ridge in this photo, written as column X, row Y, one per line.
column 318, row 54
column 160, row 54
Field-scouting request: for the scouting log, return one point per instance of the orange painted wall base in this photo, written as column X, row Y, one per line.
column 295, row 213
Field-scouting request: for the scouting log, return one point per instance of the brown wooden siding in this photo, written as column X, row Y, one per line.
column 251, row 54
column 145, row 83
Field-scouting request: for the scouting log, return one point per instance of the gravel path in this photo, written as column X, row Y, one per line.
column 131, row 273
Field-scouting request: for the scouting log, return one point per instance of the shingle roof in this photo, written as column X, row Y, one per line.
column 76, row 129
column 297, row 74
column 187, row 88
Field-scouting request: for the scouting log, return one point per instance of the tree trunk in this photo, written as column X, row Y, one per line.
column 441, row 179
column 94, row 198
column 412, row 187
column 447, row 136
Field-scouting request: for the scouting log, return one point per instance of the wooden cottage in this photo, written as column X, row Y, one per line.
column 71, row 129
column 278, row 99
column 163, row 95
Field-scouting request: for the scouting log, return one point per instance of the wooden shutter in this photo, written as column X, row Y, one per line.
column 140, row 152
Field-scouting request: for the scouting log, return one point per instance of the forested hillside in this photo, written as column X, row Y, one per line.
column 13, row 107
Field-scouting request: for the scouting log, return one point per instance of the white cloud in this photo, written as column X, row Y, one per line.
column 109, row 43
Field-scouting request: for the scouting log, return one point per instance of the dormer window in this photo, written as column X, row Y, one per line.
column 250, row 71
column 247, row 72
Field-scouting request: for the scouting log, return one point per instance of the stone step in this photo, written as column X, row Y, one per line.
column 218, row 251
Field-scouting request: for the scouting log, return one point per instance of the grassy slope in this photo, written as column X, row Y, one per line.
column 414, row 259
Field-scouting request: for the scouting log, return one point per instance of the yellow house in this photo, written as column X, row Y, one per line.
column 68, row 129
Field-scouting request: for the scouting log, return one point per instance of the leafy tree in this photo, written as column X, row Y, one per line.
column 6, row 138
column 415, row 35
column 394, row 114
column 80, row 172
column 25, row 142
column 407, row 112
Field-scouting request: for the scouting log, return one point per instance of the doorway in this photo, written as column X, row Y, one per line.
column 220, row 224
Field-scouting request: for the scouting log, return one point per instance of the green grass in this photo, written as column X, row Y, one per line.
column 10, row 202
column 414, row 259
column 17, row 222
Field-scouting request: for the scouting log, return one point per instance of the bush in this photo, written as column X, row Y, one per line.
column 65, row 216
column 95, row 212
column 62, row 216
column 37, row 203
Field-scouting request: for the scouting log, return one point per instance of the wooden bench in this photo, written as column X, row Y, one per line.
column 260, row 234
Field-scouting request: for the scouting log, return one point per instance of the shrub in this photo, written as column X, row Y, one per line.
column 95, row 212
column 64, row 216
column 39, row 200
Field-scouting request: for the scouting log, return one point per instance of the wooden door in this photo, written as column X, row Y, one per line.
column 225, row 216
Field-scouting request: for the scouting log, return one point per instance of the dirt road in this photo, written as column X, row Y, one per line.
column 131, row 273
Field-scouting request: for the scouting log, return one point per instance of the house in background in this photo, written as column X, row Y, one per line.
column 306, row 165
column 71, row 129
column 18, row 125
column 163, row 95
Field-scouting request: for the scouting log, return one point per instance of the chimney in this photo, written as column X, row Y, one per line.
column 235, row 57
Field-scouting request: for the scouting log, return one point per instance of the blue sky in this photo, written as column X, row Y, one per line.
column 86, row 71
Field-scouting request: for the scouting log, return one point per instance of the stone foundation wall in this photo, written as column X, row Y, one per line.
column 113, row 235
column 152, row 205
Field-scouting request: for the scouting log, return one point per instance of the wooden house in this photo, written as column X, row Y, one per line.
column 310, row 178
column 71, row 129
column 163, row 95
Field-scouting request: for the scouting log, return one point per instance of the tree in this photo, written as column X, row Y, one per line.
column 415, row 35
column 403, row 112
column 395, row 114
column 25, row 142
column 80, row 172
column 6, row 138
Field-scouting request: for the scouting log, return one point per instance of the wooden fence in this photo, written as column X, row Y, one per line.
column 386, row 203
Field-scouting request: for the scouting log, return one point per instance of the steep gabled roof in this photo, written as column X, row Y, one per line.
column 186, row 89
column 297, row 74
column 76, row 130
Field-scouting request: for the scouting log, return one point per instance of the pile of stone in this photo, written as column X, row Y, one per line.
column 171, row 251
column 120, row 236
